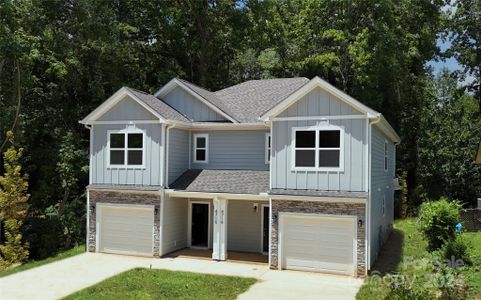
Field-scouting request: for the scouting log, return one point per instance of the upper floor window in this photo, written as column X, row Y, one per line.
column 201, row 148
column 318, row 148
column 268, row 147
column 126, row 149
column 385, row 156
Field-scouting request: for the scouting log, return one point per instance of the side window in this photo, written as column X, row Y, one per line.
column 201, row 148
column 384, row 205
column 268, row 147
column 126, row 149
column 386, row 156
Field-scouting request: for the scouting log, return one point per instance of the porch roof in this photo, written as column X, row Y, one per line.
column 223, row 181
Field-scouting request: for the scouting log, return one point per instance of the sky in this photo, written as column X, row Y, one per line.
column 450, row 63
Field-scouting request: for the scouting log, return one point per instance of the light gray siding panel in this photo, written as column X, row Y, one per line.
column 178, row 153
column 322, row 103
column 244, row 227
column 235, row 150
column 127, row 109
column 188, row 105
column 174, row 229
column 150, row 175
column 381, row 185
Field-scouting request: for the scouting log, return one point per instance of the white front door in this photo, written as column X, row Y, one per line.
column 126, row 229
column 318, row 244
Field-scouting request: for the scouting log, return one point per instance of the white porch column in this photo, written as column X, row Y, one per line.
column 219, row 247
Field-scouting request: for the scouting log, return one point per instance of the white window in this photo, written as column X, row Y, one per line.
column 126, row 149
column 385, row 156
column 318, row 148
column 268, row 147
column 201, row 148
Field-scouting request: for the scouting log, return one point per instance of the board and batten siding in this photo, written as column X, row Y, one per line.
column 188, row 105
column 178, row 153
column 320, row 103
column 244, row 226
column 174, row 227
column 381, row 185
column 234, row 150
column 149, row 175
column 127, row 109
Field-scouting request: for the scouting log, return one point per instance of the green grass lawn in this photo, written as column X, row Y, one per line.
column 163, row 284
column 403, row 254
column 36, row 263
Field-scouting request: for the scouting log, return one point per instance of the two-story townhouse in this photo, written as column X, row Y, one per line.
column 291, row 168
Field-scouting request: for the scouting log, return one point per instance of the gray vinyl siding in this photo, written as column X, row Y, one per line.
column 127, row 109
column 381, row 184
column 188, row 105
column 237, row 149
column 178, row 153
column 102, row 174
column 244, row 226
column 320, row 103
column 174, row 225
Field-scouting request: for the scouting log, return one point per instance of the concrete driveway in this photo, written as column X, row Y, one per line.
column 64, row 277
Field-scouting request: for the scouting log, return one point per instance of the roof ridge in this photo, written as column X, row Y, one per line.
column 197, row 86
column 267, row 79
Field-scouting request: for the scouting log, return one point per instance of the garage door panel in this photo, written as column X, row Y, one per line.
column 126, row 230
column 321, row 244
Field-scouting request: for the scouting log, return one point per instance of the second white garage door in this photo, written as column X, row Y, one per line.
column 126, row 230
column 318, row 244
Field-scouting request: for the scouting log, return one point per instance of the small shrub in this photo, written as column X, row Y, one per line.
column 437, row 220
column 455, row 250
column 403, row 290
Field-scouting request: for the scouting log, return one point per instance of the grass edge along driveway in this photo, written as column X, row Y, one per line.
column 143, row 283
column 37, row 263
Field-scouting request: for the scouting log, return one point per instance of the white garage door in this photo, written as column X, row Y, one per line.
column 126, row 230
column 318, row 244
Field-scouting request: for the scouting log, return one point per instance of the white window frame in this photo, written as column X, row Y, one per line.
column 268, row 148
column 206, row 148
column 317, row 148
column 126, row 149
column 386, row 156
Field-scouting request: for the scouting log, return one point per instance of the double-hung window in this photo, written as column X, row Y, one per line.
column 201, row 148
column 318, row 148
column 126, row 149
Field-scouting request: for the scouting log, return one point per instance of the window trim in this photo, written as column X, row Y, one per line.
column 126, row 149
column 386, row 156
column 318, row 128
column 267, row 148
column 201, row 135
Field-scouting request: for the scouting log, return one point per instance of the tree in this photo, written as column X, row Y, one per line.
column 13, row 206
column 465, row 29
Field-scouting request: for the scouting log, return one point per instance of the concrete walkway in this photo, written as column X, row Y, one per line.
column 64, row 277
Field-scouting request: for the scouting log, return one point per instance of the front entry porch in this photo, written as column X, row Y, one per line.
column 232, row 256
column 218, row 229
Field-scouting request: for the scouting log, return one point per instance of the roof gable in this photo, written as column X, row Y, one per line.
column 206, row 97
column 317, row 82
column 158, row 109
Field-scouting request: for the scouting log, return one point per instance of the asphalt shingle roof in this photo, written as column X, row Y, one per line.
column 223, row 181
column 247, row 101
column 159, row 106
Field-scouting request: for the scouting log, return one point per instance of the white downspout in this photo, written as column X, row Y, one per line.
column 90, row 182
column 167, row 140
column 368, row 209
